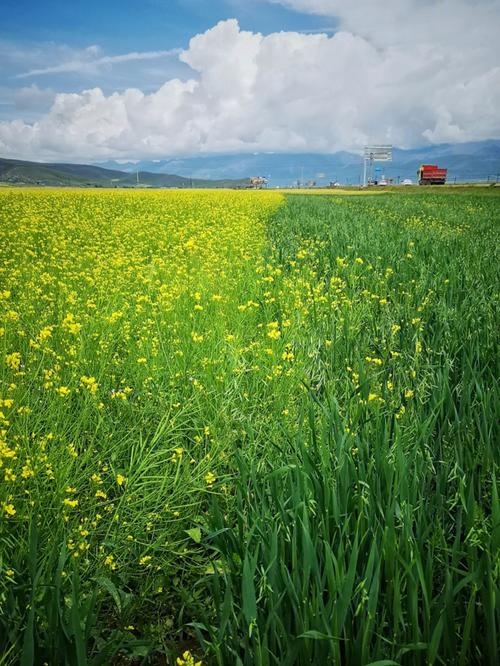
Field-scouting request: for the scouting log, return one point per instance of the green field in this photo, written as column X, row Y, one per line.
column 249, row 428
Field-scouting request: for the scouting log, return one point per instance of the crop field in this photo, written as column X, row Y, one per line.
column 245, row 428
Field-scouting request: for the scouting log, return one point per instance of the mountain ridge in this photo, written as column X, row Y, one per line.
column 89, row 175
column 469, row 161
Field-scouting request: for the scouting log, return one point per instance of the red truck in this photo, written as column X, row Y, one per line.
column 430, row 174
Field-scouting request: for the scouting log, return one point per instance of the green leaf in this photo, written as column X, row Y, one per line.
column 109, row 586
column 248, row 592
column 317, row 636
column 195, row 534
column 28, row 653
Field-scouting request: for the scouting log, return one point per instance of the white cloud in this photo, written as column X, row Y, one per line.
column 402, row 71
column 460, row 23
column 89, row 63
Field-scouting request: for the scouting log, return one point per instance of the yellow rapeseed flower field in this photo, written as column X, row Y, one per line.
column 114, row 306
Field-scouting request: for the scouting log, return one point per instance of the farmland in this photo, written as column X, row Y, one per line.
column 249, row 428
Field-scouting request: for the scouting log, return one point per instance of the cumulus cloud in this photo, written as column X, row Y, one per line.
column 401, row 72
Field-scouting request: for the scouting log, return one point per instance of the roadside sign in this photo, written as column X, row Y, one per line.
column 379, row 153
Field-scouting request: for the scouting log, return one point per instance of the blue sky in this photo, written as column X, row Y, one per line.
column 43, row 34
column 126, row 25
column 109, row 79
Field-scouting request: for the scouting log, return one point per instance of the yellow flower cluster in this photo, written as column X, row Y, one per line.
column 126, row 308
column 187, row 659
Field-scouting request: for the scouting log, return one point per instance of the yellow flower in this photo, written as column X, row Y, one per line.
column 13, row 360
column 89, row 383
column 70, row 325
column 9, row 475
column 209, row 479
column 274, row 333
column 27, row 472
column 120, row 479
column 71, row 503
column 9, row 509
column 109, row 561
column 187, row 659
column 196, row 337
column 177, row 454
column 45, row 333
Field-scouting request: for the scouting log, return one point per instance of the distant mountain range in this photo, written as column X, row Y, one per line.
column 474, row 161
column 84, row 175
column 466, row 162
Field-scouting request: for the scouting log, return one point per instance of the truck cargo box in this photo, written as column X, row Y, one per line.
column 431, row 174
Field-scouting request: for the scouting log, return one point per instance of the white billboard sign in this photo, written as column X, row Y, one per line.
column 378, row 153
column 374, row 154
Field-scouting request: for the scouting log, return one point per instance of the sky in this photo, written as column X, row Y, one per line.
column 101, row 80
